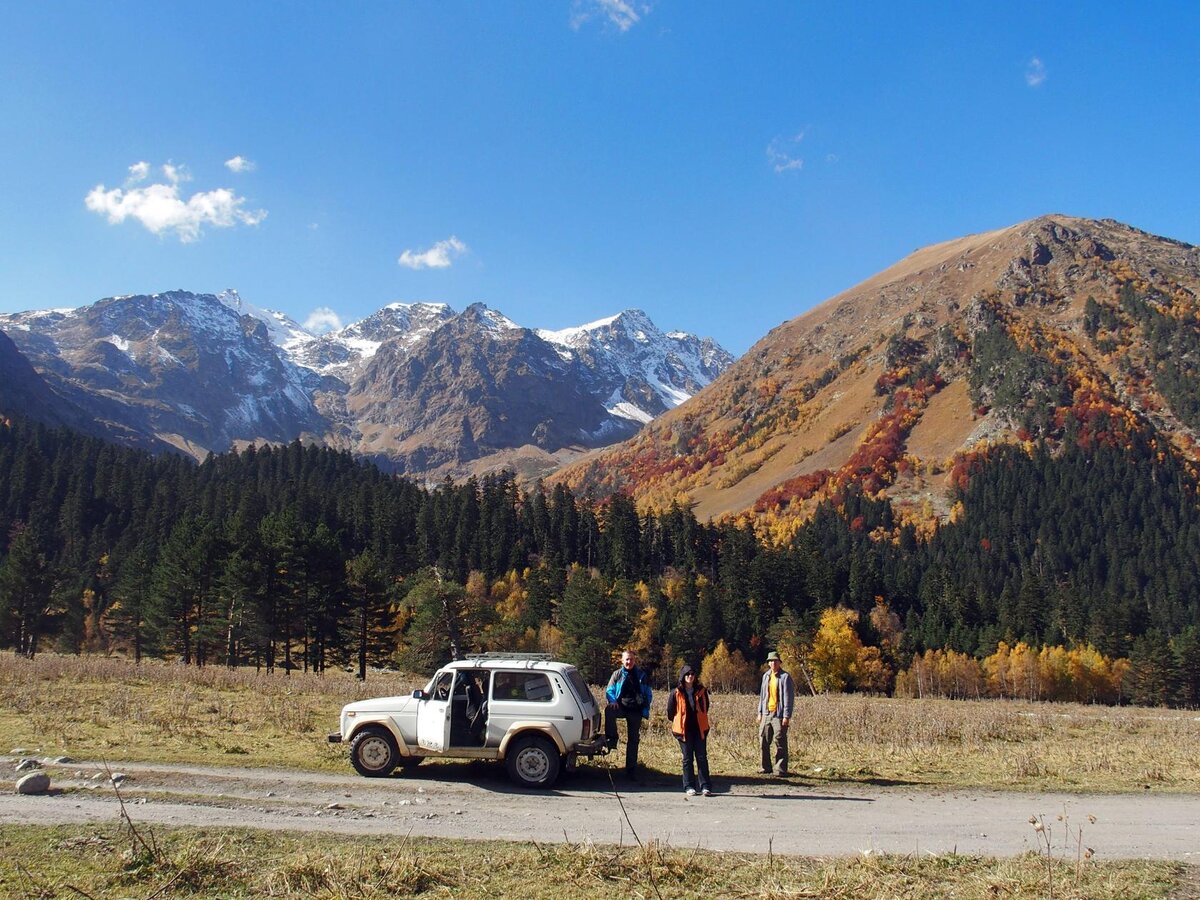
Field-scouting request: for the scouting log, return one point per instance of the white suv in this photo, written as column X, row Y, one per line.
column 536, row 714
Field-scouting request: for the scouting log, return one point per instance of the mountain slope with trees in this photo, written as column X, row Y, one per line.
column 1057, row 329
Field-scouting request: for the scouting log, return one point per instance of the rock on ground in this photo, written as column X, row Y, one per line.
column 34, row 783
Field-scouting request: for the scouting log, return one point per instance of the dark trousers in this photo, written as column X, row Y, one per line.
column 633, row 727
column 695, row 747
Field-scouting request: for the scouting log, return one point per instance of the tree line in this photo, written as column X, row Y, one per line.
column 304, row 557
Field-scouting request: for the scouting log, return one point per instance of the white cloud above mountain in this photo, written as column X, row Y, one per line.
column 784, row 153
column 440, row 256
column 139, row 171
column 618, row 13
column 1035, row 72
column 322, row 320
column 240, row 164
column 160, row 208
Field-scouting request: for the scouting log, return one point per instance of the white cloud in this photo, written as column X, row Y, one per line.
column 1035, row 73
column 322, row 320
column 617, row 12
column 439, row 256
column 240, row 164
column 783, row 153
column 161, row 210
column 139, row 171
column 176, row 174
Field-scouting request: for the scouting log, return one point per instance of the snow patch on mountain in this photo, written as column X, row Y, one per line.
column 645, row 370
column 284, row 332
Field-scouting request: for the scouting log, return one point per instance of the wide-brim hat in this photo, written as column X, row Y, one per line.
column 773, row 657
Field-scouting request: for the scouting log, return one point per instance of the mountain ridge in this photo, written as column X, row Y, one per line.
column 205, row 372
column 811, row 397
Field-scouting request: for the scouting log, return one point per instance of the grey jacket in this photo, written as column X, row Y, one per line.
column 787, row 695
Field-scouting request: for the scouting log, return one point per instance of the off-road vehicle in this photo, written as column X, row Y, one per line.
column 534, row 713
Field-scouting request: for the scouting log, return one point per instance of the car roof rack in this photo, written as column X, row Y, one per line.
column 537, row 657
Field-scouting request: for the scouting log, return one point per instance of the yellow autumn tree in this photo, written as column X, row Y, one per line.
column 942, row 673
column 871, row 673
column 835, row 650
column 510, row 597
column 1095, row 678
column 997, row 672
column 1053, row 673
column 550, row 640
column 728, row 672
column 1025, row 672
column 644, row 640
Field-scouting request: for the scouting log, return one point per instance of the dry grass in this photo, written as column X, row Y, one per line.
column 102, row 707
column 94, row 707
column 989, row 743
column 102, row 862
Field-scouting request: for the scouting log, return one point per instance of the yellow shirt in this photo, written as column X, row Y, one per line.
column 772, row 693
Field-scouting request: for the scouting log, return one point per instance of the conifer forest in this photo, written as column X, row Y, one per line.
column 1072, row 574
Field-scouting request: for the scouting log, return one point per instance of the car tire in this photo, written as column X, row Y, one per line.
column 533, row 761
column 373, row 752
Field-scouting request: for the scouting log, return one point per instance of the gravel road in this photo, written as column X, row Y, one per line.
column 800, row 816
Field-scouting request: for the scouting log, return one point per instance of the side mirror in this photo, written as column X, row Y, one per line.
column 419, row 694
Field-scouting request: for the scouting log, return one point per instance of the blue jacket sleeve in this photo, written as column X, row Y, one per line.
column 647, row 698
column 613, row 691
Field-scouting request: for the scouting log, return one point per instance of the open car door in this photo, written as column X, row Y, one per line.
column 433, row 714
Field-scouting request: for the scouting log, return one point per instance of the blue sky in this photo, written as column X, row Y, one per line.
column 724, row 166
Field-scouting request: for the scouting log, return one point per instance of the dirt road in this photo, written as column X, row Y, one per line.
column 798, row 816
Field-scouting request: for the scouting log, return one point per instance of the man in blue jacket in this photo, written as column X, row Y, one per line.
column 628, row 695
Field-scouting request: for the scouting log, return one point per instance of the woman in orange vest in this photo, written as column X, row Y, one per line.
column 687, row 711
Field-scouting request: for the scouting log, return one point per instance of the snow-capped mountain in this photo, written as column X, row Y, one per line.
column 415, row 386
column 641, row 371
column 476, row 386
column 183, row 368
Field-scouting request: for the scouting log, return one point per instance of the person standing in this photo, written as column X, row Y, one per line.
column 628, row 695
column 687, row 711
column 776, row 698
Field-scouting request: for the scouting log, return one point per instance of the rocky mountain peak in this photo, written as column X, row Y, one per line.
column 481, row 316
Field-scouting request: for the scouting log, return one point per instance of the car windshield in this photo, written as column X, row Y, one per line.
column 580, row 686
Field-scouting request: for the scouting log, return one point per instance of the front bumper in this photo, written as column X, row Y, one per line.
column 335, row 738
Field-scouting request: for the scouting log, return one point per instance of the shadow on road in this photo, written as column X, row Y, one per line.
column 491, row 776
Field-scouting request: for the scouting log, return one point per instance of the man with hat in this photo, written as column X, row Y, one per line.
column 776, row 698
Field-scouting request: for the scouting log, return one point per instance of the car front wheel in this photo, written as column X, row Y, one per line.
column 533, row 761
column 373, row 752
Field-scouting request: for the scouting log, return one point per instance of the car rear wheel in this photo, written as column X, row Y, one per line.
column 373, row 752
column 533, row 761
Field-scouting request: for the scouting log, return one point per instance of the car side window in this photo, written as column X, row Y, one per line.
column 528, row 686
column 441, row 687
